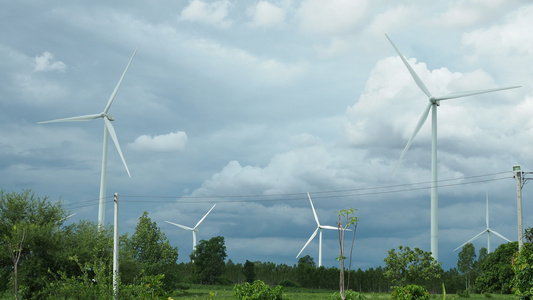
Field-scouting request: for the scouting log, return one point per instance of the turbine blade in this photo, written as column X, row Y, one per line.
column 113, row 135
column 417, row 79
column 110, row 101
column 329, row 227
column 308, row 241
column 499, row 235
column 472, row 239
column 487, row 214
column 419, row 125
column 74, row 119
column 314, row 212
column 204, row 217
column 181, row 226
column 470, row 93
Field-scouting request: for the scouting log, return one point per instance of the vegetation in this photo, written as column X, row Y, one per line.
column 40, row 258
column 345, row 219
column 410, row 292
column 411, row 267
column 257, row 291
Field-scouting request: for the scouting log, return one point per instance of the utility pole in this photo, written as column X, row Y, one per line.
column 115, row 250
column 518, row 175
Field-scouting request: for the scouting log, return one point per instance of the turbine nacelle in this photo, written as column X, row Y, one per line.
column 110, row 117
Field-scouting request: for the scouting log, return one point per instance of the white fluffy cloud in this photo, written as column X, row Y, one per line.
column 174, row 141
column 268, row 15
column 46, row 62
column 336, row 17
column 210, row 13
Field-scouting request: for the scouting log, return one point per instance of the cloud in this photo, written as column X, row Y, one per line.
column 267, row 15
column 336, row 17
column 174, row 141
column 213, row 13
column 46, row 62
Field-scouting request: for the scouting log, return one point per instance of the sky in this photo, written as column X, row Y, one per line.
column 251, row 104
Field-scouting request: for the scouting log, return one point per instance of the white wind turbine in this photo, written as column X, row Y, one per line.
column 488, row 231
column 318, row 229
column 108, row 129
column 193, row 229
column 434, row 101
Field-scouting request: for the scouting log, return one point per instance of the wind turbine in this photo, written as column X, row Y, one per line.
column 193, row 229
column 434, row 101
column 108, row 129
column 318, row 229
column 488, row 231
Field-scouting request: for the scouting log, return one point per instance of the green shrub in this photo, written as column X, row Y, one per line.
column 463, row 294
column 410, row 292
column 487, row 295
column 350, row 295
column 257, row 291
column 289, row 283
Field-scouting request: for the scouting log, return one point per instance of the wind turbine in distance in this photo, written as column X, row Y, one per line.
column 434, row 102
column 108, row 129
column 488, row 231
column 193, row 229
column 318, row 228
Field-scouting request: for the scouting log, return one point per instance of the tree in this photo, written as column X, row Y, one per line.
column 249, row 272
column 411, row 267
column 529, row 235
column 150, row 251
column 345, row 219
column 522, row 282
column 209, row 259
column 496, row 270
column 466, row 261
column 30, row 240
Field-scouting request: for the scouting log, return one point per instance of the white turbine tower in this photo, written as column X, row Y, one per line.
column 108, row 129
column 488, row 231
column 193, row 229
column 318, row 229
column 434, row 101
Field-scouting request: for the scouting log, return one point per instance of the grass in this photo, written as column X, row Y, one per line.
column 197, row 292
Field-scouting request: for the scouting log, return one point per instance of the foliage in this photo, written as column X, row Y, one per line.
column 249, row 272
column 523, row 272
column 288, row 283
column 209, row 260
column 410, row 292
column 149, row 252
column 345, row 219
column 528, row 235
column 348, row 295
column 411, row 266
column 466, row 261
column 497, row 271
column 257, row 291
column 95, row 282
column 29, row 234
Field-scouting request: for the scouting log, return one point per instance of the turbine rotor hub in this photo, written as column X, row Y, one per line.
column 434, row 100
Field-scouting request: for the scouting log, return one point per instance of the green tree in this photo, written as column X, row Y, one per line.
column 522, row 282
column 496, row 270
column 249, row 272
column 528, row 235
column 411, row 267
column 345, row 220
column 209, row 260
column 149, row 251
column 466, row 261
column 30, row 231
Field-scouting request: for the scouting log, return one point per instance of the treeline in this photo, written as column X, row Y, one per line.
column 41, row 258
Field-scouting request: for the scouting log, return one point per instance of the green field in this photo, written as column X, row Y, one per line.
column 226, row 292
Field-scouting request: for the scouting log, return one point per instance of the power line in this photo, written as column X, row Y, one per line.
column 285, row 197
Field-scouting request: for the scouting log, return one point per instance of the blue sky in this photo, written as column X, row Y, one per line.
column 252, row 104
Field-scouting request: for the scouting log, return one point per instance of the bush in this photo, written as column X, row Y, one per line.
column 289, row 283
column 410, row 292
column 350, row 295
column 463, row 294
column 257, row 291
